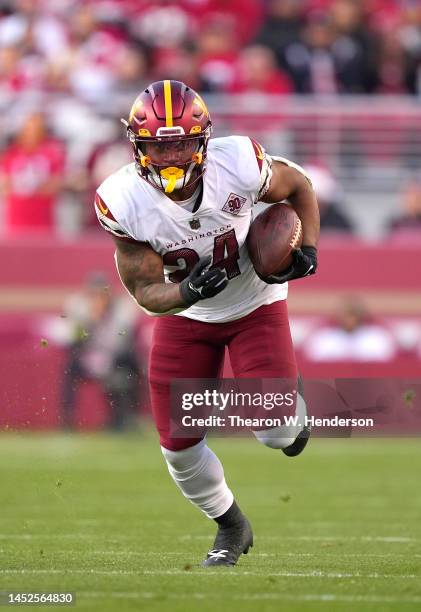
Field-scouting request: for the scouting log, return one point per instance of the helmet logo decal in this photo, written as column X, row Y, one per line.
column 136, row 106
column 196, row 129
column 198, row 100
column 168, row 103
column 171, row 174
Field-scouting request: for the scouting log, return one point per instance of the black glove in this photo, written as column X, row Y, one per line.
column 304, row 263
column 200, row 285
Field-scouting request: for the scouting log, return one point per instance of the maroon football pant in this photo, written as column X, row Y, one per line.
column 259, row 346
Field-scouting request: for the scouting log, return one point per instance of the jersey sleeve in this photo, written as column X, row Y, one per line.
column 108, row 222
column 292, row 164
column 264, row 164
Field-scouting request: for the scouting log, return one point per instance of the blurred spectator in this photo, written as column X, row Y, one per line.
column 247, row 15
column 257, row 72
column 20, row 71
column 162, row 23
column 353, row 48
column 32, row 173
column 410, row 39
column 329, row 194
column 130, row 68
column 282, row 29
column 218, row 54
column 311, row 62
column 37, row 26
column 98, row 58
column 352, row 335
column 331, row 52
column 409, row 220
column 29, row 37
column 410, row 29
column 180, row 63
column 394, row 75
column 328, row 62
column 99, row 330
column 383, row 15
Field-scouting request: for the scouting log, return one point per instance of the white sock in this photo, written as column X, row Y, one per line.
column 199, row 474
column 285, row 435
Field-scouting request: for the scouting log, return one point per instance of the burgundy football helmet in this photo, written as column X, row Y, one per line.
column 169, row 127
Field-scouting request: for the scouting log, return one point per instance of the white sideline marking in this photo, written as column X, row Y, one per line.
column 177, row 572
column 87, row 536
column 58, row 536
column 165, row 553
column 94, row 521
column 389, row 539
column 255, row 596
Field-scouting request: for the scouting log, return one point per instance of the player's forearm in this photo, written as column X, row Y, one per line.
column 304, row 202
column 160, row 298
column 141, row 272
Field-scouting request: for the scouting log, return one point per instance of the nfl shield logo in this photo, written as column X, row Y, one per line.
column 234, row 204
column 194, row 224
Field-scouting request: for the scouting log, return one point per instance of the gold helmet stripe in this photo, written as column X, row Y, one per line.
column 168, row 104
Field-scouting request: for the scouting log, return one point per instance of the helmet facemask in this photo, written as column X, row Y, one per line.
column 170, row 159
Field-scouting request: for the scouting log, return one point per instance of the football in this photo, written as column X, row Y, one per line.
column 272, row 237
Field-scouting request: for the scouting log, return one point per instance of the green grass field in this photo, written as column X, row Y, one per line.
column 337, row 528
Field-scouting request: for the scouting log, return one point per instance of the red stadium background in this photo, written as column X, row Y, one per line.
column 39, row 275
column 69, row 71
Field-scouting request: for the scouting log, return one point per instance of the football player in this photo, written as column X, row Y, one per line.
column 179, row 216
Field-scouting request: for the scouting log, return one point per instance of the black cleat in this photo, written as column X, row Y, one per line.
column 299, row 443
column 230, row 543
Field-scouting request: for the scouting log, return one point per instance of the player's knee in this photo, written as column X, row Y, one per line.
column 184, row 459
column 285, row 436
column 274, row 438
column 196, row 462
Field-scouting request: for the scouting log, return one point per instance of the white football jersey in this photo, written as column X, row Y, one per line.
column 238, row 173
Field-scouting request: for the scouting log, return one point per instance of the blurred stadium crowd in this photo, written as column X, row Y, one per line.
column 69, row 69
column 278, row 46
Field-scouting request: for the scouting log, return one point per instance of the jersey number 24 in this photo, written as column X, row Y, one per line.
column 225, row 257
